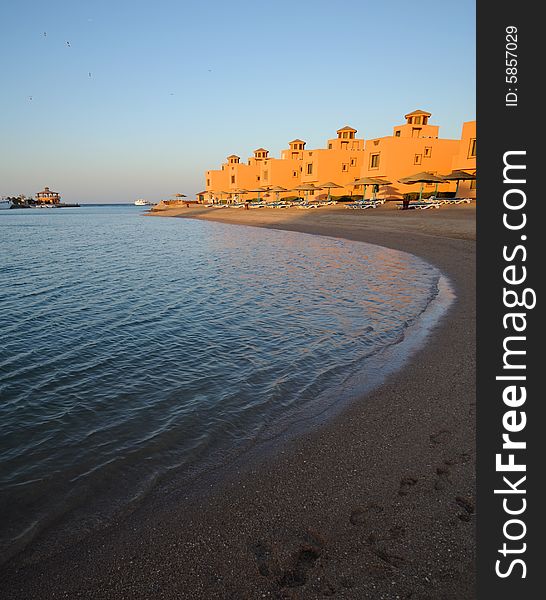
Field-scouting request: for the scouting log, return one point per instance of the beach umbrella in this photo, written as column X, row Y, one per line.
column 459, row 176
column 329, row 185
column 365, row 181
column 378, row 182
column 258, row 191
column 306, row 187
column 422, row 178
column 277, row 189
column 226, row 193
column 240, row 191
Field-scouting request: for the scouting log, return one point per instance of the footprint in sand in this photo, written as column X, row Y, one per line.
column 440, row 437
column 304, row 560
column 405, row 485
column 443, row 479
column 467, row 505
column 360, row 515
column 262, row 554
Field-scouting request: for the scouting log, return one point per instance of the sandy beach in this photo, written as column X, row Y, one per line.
column 379, row 503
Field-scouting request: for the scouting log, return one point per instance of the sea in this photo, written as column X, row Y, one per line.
column 137, row 350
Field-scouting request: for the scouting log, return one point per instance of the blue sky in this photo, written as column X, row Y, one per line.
column 146, row 96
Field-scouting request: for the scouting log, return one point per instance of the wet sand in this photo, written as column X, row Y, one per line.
column 378, row 503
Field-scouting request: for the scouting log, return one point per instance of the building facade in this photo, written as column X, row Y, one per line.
column 46, row 196
column 413, row 147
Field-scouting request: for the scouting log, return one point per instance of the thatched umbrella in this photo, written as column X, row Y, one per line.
column 365, row 181
column 306, row 187
column 378, row 182
column 258, row 191
column 220, row 193
column 329, row 185
column 277, row 189
column 459, row 176
column 422, row 178
column 240, row 191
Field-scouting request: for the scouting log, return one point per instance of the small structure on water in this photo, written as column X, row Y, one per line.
column 46, row 196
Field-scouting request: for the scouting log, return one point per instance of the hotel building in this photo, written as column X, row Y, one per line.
column 413, row 147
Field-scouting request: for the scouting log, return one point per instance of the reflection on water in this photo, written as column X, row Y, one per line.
column 133, row 346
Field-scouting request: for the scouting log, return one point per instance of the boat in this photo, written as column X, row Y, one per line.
column 141, row 202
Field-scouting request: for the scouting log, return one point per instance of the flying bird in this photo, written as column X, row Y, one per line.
column 89, row 73
column 45, row 33
column 68, row 44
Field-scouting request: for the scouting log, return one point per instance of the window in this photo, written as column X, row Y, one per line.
column 428, row 152
column 265, row 175
column 233, row 179
column 294, row 155
column 472, row 148
column 417, row 159
column 309, row 168
column 417, row 120
column 397, row 133
column 374, row 161
column 410, row 120
column 258, row 178
column 353, row 162
column 344, row 167
column 344, row 145
column 294, row 173
column 208, row 182
column 329, row 146
column 416, row 132
column 344, row 135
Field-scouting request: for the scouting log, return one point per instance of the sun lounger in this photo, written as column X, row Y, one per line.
column 420, row 205
column 312, row 205
column 450, row 200
column 362, row 205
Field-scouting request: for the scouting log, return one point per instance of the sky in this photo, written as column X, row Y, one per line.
column 113, row 101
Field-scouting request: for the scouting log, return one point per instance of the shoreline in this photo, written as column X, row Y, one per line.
column 376, row 503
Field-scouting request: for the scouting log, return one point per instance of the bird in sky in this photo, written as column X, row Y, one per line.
column 45, row 33
column 89, row 73
column 68, row 44
column 30, row 97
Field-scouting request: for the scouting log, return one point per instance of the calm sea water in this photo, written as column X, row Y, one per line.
column 134, row 347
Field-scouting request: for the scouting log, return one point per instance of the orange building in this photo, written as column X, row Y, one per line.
column 413, row 147
column 340, row 161
column 46, row 196
column 465, row 159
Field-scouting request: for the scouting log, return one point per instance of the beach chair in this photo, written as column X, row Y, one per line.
column 362, row 205
column 307, row 205
column 450, row 200
column 423, row 205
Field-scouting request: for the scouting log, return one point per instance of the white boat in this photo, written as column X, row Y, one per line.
column 141, row 202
